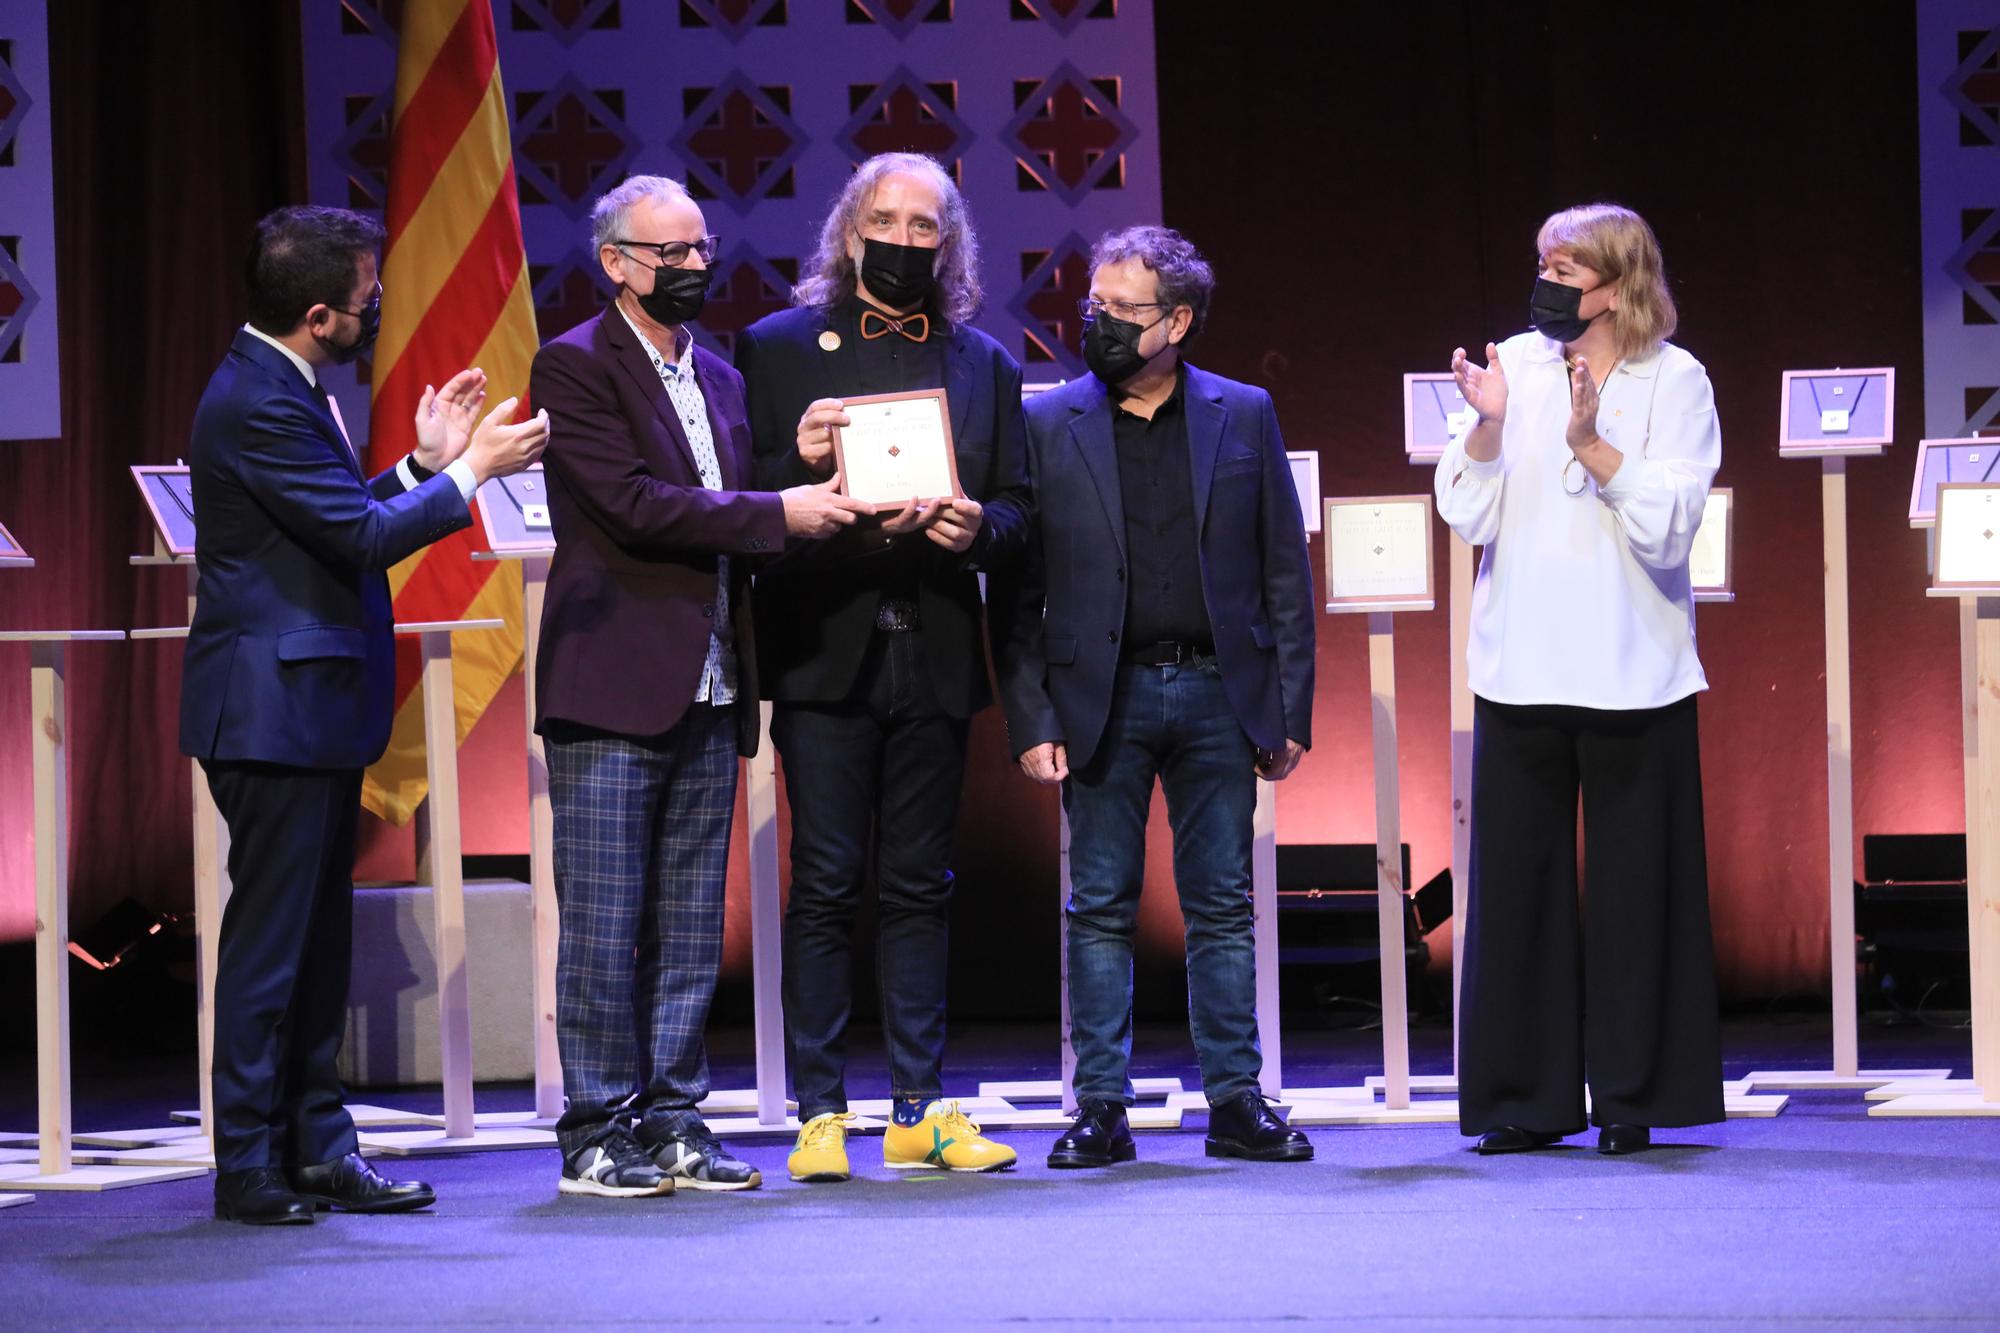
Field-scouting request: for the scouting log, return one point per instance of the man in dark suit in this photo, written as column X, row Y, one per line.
column 288, row 687
column 1161, row 629
column 871, row 646
column 648, row 691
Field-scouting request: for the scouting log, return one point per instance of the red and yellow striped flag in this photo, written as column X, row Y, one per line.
column 454, row 294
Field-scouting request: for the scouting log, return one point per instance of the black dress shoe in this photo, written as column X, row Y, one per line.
column 1245, row 1126
column 1510, row 1138
column 1618, row 1140
column 259, row 1197
column 1099, row 1136
column 351, row 1185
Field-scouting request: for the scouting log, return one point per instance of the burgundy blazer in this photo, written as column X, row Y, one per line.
column 631, row 595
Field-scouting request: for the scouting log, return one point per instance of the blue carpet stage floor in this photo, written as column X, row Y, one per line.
column 1819, row 1217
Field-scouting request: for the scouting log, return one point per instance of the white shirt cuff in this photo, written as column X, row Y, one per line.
column 1623, row 482
column 460, row 472
column 1481, row 470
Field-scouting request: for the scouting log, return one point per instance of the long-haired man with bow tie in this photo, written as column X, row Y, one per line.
column 871, row 645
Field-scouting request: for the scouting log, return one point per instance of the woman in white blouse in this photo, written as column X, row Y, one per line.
column 1584, row 477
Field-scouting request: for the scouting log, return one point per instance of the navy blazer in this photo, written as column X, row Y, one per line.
column 291, row 658
column 816, row 609
column 631, row 596
column 1058, row 622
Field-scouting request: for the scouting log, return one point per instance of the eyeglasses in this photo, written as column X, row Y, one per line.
column 374, row 303
column 1091, row 308
column 672, row 254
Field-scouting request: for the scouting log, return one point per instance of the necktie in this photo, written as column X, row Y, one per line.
column 914, row 327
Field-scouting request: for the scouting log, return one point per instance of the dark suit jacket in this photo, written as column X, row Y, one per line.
column 816, row 610
column 291, row 657
column 1059, row 620
column 631, row 596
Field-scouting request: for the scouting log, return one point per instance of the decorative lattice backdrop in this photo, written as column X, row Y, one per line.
column 1958, row 89
column 30, row 385
column 1044, row 109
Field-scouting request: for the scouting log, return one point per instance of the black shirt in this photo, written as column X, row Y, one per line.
column 892, row 363
column 1156, row 483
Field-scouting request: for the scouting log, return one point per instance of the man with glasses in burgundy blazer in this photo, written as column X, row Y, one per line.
column 647, row 691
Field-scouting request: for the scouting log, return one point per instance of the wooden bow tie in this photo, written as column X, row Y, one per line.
column 916, row 328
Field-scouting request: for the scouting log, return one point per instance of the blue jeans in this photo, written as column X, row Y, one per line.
column 1173, row 723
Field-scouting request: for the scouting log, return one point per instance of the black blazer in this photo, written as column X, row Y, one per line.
column 631, row 598
column 291, row 658
column 1058, row 621
column 816, row 609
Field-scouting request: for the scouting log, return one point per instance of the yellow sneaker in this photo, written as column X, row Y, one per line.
column 945, row 1139
column 821, row 1153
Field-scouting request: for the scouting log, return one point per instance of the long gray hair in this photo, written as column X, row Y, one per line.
column 829, row 277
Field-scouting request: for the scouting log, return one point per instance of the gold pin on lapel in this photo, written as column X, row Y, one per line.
column 829, row 341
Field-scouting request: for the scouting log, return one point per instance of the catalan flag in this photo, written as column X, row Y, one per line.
column 454, row 294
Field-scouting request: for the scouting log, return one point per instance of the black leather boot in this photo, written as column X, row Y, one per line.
column 1099, row 1136
column 1245, row 1126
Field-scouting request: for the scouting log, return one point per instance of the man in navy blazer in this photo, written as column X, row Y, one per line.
column 647, row 691
column 1161, row 629
column 287, row 689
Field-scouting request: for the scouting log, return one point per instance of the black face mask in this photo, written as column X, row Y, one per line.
column 370, row 316
column 1553, row 311
column 1111, row 348
column 899, row 276
column 678, row 294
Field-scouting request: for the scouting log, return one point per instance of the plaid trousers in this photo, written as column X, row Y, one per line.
column 641, row 858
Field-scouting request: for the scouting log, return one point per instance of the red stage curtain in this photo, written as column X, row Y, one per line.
column 172, row 136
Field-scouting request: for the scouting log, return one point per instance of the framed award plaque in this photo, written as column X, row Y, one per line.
column 514, row 512
column 1378, row 554
column 1968, row 539
column 1305, row 481
column 1825, row 413
column 1940, row 461
column 169, row 495
column 1434, row 414
column 1712, row 562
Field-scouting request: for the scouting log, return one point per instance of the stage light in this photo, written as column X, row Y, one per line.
column 111, row 939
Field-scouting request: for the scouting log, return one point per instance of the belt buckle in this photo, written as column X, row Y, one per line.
column 895, row 617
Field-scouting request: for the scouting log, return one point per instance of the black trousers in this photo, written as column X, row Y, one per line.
column 880, row 773
column 285, row 950
column 1617, row 988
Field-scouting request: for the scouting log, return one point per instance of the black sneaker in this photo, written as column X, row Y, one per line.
column 690, row 1157
column 612, row 1165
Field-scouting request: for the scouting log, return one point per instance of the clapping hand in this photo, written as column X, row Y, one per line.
column 500, row 447
column 446, row 417
column 1582, row 429
column 1484, row 390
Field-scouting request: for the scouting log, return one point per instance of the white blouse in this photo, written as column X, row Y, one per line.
column 1583, row 598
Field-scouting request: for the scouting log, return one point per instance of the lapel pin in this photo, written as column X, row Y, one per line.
column 829, row 341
